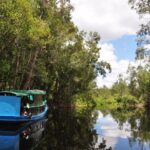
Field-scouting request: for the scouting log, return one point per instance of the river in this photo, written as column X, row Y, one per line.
column 68, row 129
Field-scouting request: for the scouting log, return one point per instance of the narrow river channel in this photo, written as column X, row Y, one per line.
column 67, row 129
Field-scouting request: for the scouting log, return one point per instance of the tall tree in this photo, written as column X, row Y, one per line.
column 141, row 74
column 143, row 36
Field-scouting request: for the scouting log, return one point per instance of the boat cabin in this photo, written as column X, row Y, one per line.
column 22, row 103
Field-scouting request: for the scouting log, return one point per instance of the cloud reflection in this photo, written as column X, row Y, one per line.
column 109, row 129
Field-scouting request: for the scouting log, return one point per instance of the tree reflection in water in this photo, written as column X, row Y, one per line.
column 139, row 120
column 66, row 129
column 71, row 130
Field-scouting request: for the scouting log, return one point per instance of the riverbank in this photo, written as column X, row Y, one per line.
column 101, row 102
column 113, row 104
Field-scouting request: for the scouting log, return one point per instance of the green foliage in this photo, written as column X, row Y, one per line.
column 40, row 48
column 144, row 84
column 120, row 87
column 127, row 101
column 140, row 82
column 104, row 99
column 134, row 94
column 118, row 96
column 83, row 101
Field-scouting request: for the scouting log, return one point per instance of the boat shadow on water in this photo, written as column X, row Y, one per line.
column 21, row 137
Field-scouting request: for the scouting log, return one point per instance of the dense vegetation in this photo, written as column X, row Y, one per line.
column 130, row 92
column 41, row 48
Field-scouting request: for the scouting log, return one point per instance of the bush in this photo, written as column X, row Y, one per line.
column 127, row 100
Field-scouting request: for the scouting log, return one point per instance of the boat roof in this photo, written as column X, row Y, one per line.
column 24, row 92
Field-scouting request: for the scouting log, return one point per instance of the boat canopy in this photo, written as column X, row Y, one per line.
column 23, row 92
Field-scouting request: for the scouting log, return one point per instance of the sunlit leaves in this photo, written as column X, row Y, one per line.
column 40, row 47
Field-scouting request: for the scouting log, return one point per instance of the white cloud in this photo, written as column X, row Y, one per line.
column 118, row 66
column 110, row 18
column 108, row 128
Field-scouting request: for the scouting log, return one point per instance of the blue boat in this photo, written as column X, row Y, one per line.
column 18, row 106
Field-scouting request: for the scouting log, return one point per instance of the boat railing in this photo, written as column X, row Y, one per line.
column 34, row 106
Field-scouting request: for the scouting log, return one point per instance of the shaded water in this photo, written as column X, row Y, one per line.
column 68, row 129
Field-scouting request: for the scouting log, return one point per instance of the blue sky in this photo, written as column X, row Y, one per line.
column 125, row 47
column 117, row 25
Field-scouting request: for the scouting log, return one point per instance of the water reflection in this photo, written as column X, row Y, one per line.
column 89, row 129
column 124, row 129
column 70, row 130
column 21, row 137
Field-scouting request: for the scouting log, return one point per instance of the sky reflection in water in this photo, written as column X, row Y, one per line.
column 119, row 138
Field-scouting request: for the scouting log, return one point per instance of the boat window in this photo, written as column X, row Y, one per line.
column 6, row 94
column 24, row 103
column 24, row 100
column 38, row 99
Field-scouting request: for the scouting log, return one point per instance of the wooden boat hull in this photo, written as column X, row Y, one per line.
column 22, row 119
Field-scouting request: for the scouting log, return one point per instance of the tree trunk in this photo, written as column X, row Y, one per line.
column 17, row 70
column 32, row 65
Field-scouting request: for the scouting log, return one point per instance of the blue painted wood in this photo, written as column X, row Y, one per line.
column 9, row 142
column 17, row 119
column 10, row 106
